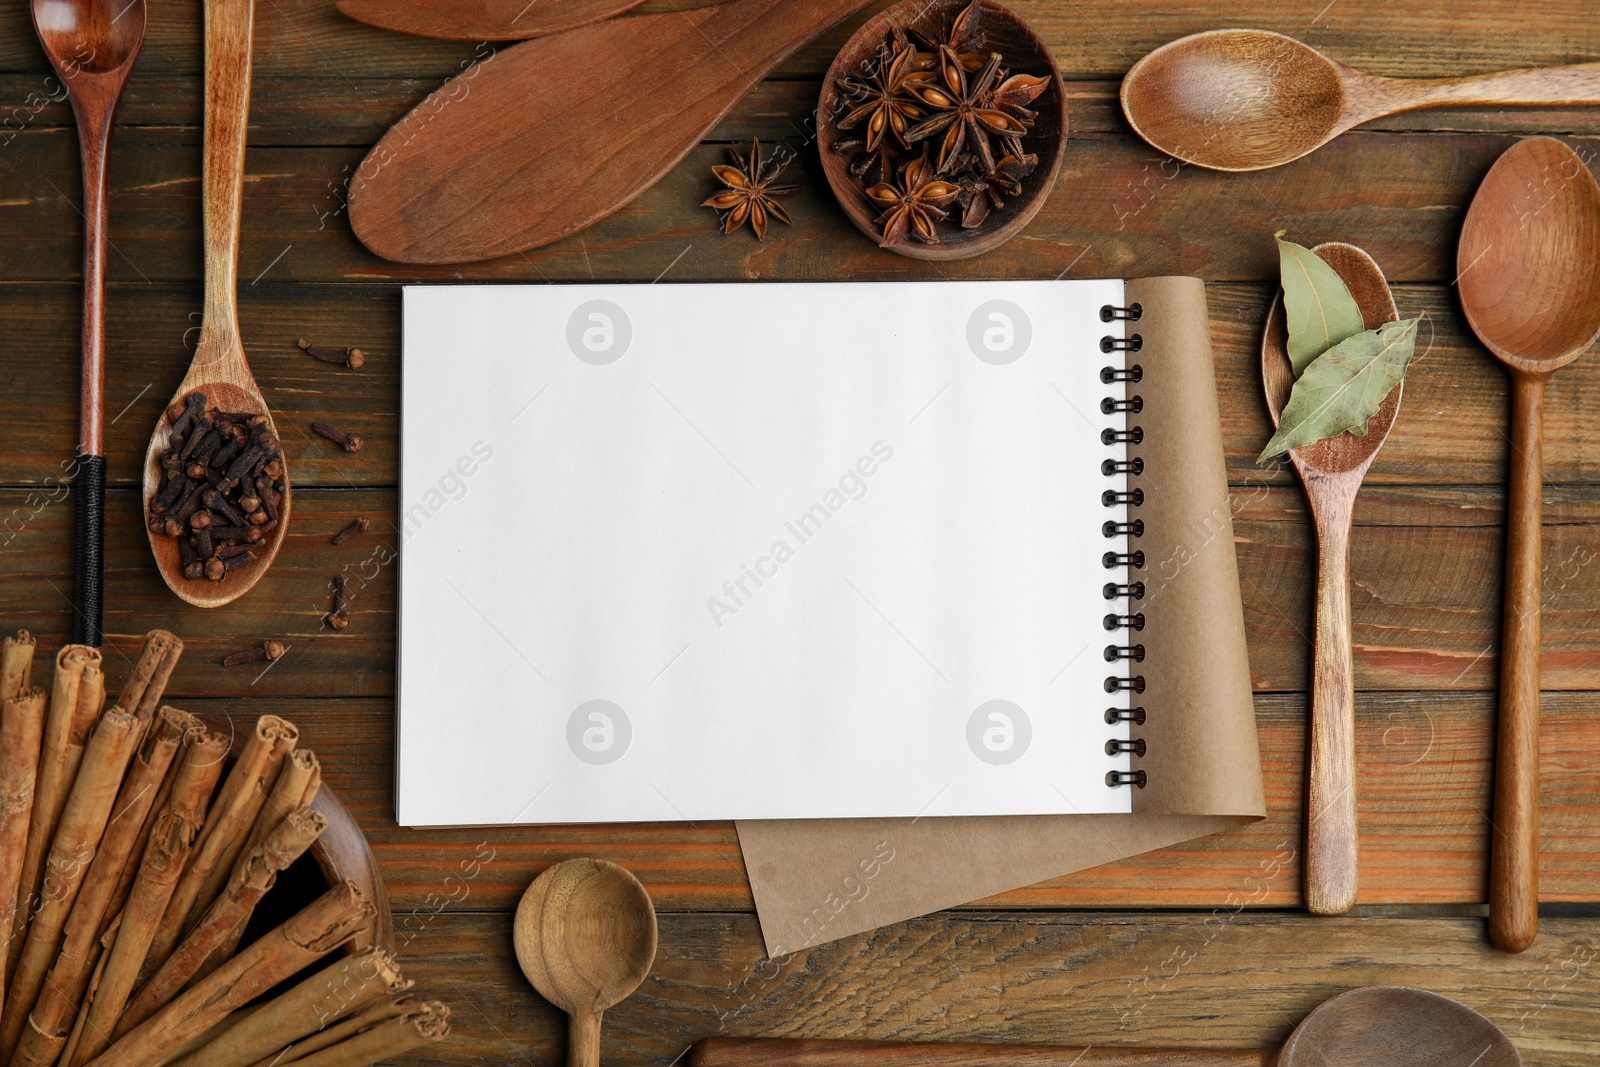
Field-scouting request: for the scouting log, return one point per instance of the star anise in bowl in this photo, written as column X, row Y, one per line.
column 749, row 191
column 956, row 92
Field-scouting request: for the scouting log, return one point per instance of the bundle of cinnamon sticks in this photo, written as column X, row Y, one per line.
column 131, row 861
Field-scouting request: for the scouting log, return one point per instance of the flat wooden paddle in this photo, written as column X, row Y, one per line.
column 482, row 20
column 546, row 137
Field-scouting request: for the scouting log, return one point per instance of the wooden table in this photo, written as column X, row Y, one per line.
column 1229, row 958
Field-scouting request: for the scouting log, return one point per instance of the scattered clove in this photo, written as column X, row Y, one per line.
column 218, row 469
column 350, row 442
column 360, row 526
column 266, row 650
column 339, row 617
column 345, row 357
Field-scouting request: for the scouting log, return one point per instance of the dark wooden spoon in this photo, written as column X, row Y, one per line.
column 500, row 159
column 1388, row 1025
column 1249, row 99
column 1528, row 271
column 92, row 45
column 1332, row 471
column 482, row 20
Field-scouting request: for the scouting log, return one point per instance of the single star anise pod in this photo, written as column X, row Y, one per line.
column 912, row 207
column 963, row 39
column 749, row 193
column 962, row 111
column 979, row 195
column 880, row 95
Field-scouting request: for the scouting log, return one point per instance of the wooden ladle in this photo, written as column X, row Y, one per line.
column 219, row 369
column 1390, row 1025
column 92, row 46
column 1332, row 471
column 1249, row 99
column 585, row 935
column 1528, row 270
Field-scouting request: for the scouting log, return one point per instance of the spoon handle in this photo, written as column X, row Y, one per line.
column 1514, row 855
column 583, row 1039
column 1331, row 860
column 1574, row 86
column 229, row 39
column 789, row 1052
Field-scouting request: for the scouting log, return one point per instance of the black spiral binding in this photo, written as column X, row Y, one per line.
column 1133, row 621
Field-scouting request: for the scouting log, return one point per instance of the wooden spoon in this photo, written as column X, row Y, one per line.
column 1361, row 1028
column 1249, row 99
column 1332, row 471
column 1528, row 270
column 503, row 158
column 92, row 46
column 219, row 369
column 482, row 20
column 585, row 935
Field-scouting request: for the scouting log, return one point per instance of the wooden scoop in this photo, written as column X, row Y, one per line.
column 219, row 369
column 92, row 46
column 482, row 20
column 1249, row 99
column 1332, row 471
column 1528, row 270
column 1378, row 1025
column 502, row 158
column 585, row 935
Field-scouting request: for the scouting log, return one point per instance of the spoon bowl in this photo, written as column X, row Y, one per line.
column 1528, row 270
column 585, row 935
column 89, row 36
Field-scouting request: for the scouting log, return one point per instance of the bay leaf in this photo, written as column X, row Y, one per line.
column 1316, row 303
column 1344, row 387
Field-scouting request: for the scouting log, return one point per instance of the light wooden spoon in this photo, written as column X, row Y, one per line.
column 1528, row 271
column 219, row 369
column 502, row 158
column 1332, row 471
column 482, row 20
column 1249, row 99
column 585, row 935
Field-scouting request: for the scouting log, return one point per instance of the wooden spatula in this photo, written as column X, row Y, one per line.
column 482, row 20
column 545, row 138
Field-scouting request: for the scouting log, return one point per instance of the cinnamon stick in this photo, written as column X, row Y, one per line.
column 321, row 927
column 83, row 821
column 75, row 703
column 254, row 875
column 229, row 819
column 144, row 687
column 198, row 745
column 21, row 731
column 342, row 990
column 171, row 841
column 16, row 664
column 427, row 1023
column 50, row 1022
column 382, row 1010
column 76, row 1036
column 284, row 739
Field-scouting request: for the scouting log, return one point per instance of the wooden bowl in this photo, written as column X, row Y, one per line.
column 1024, row 52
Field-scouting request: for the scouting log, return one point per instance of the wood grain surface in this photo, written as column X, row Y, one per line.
column 1229, row 961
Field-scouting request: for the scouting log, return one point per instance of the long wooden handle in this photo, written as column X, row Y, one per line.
column 1331, row 850
column 755, row 1052
column 1514, row 855
column 1576, row 86
column 229, row 40
column 583, row 1039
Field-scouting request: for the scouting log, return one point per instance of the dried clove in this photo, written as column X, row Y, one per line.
column 350, row 442
column 339, row 617
column 346, row 357
column 266, row 650
column 360, row 526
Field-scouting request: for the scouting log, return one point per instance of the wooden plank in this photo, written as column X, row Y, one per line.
column 1217, row 981
column 1423, row 785
column 1115, row 210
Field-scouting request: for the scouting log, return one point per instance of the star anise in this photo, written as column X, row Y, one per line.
column 964, row 39
column 881, row 96
column 750, row 192
column 963, row 111
column 912, row 207
column 979, row 195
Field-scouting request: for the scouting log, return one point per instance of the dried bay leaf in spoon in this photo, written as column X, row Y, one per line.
column 1318, row 307
column 1344, row 387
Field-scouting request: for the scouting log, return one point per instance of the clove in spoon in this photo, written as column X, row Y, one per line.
column 585, row 935
column 92, row 46
column 219, row 368
column 1529, row 277
column 1241, row 100
column 1331, row 472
